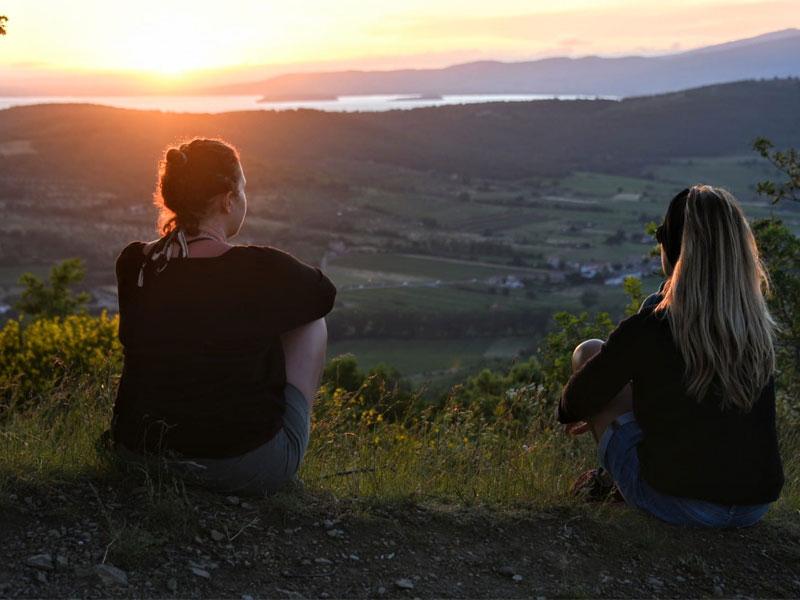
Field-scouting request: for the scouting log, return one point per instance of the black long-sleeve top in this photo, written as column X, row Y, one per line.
column 692, row 449
column 204, row 370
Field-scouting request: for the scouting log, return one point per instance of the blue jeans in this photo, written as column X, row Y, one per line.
column 618, row 455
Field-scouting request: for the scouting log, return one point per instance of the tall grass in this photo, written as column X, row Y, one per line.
column 449, row 455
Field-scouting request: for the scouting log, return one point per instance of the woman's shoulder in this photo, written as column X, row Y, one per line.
column 642, row 324
column 268, row 256
column 132, row 250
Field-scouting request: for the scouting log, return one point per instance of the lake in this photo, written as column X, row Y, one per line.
column 220, row 104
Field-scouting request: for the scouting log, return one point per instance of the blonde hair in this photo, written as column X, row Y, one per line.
column 715, row 302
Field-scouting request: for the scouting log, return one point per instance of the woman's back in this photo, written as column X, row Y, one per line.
column 204, row 370
column 691, row 448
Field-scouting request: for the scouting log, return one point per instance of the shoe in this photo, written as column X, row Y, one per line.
column 591, row 488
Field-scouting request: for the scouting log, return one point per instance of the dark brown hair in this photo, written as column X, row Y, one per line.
column 189, row 176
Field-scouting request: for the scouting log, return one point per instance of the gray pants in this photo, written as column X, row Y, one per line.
column 262, row 470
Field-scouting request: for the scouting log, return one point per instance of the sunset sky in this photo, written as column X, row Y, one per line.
column 176, row 38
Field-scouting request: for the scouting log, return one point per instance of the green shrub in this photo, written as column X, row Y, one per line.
column 35, row 356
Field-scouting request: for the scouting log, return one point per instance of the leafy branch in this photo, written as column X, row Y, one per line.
column 787, row 162
column 3, row 21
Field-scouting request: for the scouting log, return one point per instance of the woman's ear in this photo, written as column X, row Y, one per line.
column 226, row 202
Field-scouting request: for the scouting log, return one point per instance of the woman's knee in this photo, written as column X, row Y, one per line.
column 304, row 356
column 584, row 351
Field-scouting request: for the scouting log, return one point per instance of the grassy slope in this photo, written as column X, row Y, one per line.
column 496, row 500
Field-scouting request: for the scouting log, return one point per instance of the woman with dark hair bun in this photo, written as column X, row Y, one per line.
column 681, row 396
column 224, row 344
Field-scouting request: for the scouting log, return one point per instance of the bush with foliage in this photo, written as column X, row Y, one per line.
column 53, row 338
column 780, row 251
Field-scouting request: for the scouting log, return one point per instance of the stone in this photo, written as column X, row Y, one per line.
column 717, row 589
column 404, row 584
column 680, row 579
column 506, row 570
column 655, row 582
column 517, row 578
column 354, row 557
column 40, row 561
column 232, row 499
column 41, row 577
column 216, row 535
column 200, row 572
column 247, row 597
column 323, row 561
column 172, row 584
column 62, row 561
column 111, row 575
column 381, row 591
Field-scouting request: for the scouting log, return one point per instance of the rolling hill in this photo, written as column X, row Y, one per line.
column 770, row 55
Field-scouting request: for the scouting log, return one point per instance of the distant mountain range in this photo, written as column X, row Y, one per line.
column 766, row 56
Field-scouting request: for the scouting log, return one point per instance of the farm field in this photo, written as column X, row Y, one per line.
column 420, row 256
column 428, row 357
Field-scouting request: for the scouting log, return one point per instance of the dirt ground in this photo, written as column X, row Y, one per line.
column 80, row 542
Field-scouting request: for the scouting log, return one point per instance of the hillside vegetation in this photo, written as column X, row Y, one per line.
column 465, row 226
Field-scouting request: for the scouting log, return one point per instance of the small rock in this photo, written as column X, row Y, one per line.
column 216, row 535
column 506, row 570
column 680, row 578
column 62, row 561
column 233, row 499
column 172, row 584
column 111, row 575
column 404, row 584
column 354, row 557
column 246, row 505
column 335, row 532
column 200, row 572
column 517, row 578
column 41, row 577
column 324, row 595
column 717, row 590
column 40, row 561
column 54, row 533
column 247, row 597
column 381, row 591
column 655, row 582
column 323, row 561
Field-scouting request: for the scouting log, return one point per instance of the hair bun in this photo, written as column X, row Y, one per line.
column 176, row 157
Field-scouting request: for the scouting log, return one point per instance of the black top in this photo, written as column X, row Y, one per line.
column 690, row 449
column 204, row 371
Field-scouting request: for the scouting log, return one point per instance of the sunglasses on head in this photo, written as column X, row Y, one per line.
column 678, row 201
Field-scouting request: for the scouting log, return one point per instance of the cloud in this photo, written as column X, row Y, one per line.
column 611, row 29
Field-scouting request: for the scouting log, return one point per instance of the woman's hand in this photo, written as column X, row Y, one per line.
column 576, row 427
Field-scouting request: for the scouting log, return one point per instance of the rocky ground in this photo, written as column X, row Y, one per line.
column 78, row 541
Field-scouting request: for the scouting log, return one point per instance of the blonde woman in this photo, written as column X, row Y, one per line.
column 680, row 398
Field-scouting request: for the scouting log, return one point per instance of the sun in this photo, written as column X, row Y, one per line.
column 168, row 50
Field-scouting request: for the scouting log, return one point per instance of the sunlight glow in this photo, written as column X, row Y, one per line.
column 173, row 39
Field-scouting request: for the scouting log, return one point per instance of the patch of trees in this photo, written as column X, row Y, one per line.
column 346, row 324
